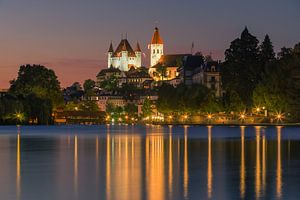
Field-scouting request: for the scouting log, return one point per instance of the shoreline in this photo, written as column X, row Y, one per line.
column 168, row 124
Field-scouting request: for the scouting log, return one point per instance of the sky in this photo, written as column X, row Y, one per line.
column 72, row 36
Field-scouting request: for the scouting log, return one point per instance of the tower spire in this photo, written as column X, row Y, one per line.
column 156, row 39
column 111, row 49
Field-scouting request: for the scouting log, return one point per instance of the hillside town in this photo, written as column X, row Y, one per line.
column 189, row 88
column 126, row 70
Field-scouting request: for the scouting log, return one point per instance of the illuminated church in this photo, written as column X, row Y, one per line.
column 124, row 57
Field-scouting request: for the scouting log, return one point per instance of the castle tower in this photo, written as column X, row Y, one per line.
column 156, row 47
column 124, row 57
column 138, row 54
column 110, row 55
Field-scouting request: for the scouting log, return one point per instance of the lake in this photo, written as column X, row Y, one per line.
column 149, row 162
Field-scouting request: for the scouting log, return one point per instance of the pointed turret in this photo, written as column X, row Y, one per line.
column 156, row 39
column 111, row 49
column 138, row 48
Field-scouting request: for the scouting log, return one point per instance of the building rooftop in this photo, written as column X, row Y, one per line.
column 124, row 46
column 156, row 39
column 172, row 60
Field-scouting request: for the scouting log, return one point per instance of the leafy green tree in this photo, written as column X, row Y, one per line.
column 272, row 100
column 146, row 108
column 234, row 103
column 89, row 86
column 161, row 71
column 89, row 106
column 131, row 109
column 37, row 80
column 166, row 99
column 110, row 84
column 242, row 70
column 212, row 104
column 39, row 110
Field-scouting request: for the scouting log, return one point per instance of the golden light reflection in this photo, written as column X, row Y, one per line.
column 97, row 159
column 123, row 166
column 155, row 167
column 279, row 170
column 243, row 167
column 186, row 164
column 264, row 151
column 18, row 178
column 209, row 166
column 170, row 181
column 258, row 166
column 108, row 167
column 75, row 166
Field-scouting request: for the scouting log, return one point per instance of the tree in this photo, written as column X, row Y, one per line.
column 161, row 71
column 37, row 80
column 211, row 104
column 272, row 100
column 73, row 93
column 109, row 84
column 242, row 70
column 267, row 53
column 89, row 86
column 39, row 110
column 146, row 108
column 89, row 106
column 233, row 102
column 131, row 109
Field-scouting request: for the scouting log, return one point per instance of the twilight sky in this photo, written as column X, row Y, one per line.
column 72, row 36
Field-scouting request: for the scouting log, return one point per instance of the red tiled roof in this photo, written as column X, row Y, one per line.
column 156, row 39
column 124, row 46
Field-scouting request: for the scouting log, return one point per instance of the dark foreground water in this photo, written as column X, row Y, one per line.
column 151, row 162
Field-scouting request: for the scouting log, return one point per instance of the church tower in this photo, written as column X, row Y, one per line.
column 156, row 47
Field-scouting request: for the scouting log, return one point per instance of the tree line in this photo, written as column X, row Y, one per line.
column 252, row 76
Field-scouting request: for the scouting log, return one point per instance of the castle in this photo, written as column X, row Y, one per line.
column 124, row 57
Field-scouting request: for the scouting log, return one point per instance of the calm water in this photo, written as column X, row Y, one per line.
column 151, row 162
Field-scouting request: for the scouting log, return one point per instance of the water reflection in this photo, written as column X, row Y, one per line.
column 257, row 168
column 161, row 163
column 75, row 166
column 243, row 167
column 18, row 178
column 170, row 178
column 279, row 170
column 209, row 165
column 186, row 164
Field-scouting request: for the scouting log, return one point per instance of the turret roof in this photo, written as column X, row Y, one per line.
column 156, row 39
column 124, row 46
column 111, row 49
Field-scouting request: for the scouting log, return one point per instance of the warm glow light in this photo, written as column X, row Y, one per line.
column 279, row 116
column 170, row 117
